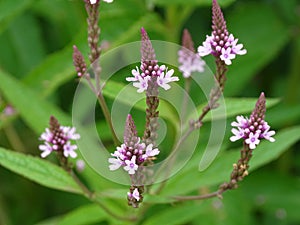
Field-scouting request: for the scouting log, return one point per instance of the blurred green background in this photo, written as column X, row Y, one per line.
column 36, row 39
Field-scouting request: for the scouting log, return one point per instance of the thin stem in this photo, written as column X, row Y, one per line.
column 166, row 169
column 187, row 87
column 199, row 197
column 107, row 116
column 91, row 196
column 14, row 138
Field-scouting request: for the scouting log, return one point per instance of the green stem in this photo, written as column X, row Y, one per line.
column 14, row 138
column 91, row 196
column 107, row 116
column 187, row 87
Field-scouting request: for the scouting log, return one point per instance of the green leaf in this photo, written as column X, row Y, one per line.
column 38, row 170
column 236, row 106
column 88, row 214
column 55, row 70
column 10, row 9
column 179, row 214
column 32, row 109
column 128, row 92
column 191, row 179
column 263, row 34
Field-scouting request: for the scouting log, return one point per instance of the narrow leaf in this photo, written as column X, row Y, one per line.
column 38, row 170
column 32, row 109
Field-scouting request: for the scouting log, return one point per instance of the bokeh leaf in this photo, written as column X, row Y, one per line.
column 32, row 109
column 38, row 170
column 265, row 25
column 235, row 106
column 221, row 168
column 10, row 9
column 88, row 214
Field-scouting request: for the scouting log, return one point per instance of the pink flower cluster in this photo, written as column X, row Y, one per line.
column 189, row 62
column 59, row 140
column 131, row 157
column 141, row 79
column 251, row 130
column 222, row 46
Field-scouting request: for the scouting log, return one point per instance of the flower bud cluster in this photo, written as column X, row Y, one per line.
column 58, row 138
column 255, row 128
column 221, row 44
column 131, row 157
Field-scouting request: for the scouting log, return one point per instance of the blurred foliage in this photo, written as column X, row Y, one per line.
column 37, row 78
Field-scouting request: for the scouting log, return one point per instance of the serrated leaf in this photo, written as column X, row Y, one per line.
column 38, row 170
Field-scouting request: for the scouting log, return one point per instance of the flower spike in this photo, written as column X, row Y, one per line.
column 58, row 138
column 188, row 60
column 221, row 44
column 150, row 75
column 255, row 128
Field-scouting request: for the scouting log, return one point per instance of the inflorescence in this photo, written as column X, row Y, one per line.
column 221, row 44
column 132, row 153
column 189, row 61
column 58, row 138
column 150, row 68
column 255, row 128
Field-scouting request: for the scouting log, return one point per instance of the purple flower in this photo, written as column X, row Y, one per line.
column 255, row 128
column 150, row 152
column 189, row 60
column 238, row 134
column 58, row 138
column 152, row 75
column 135, row 194
column 46, row 148
column 131, row 165
column 115, row 163
column 252, row 140
column 80, row 165
column 220, row 43
column 132, row 153
column 227, row 55
column 163, row 79
column 69, row 150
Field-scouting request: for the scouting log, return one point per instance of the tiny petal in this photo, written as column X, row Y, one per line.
column 142, row 84
column 69, row 150
column 205, row 49
column 227, row 55
column 115, row 163
column 150, row 152
column 136, row 74
column 163, row 79
column 131, row 165
column 46, row 148
column 238, row 134
column 136, row 194
column 253, row 140
column 268, row 135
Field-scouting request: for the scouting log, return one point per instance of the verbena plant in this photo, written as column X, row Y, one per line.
column 163, row 133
